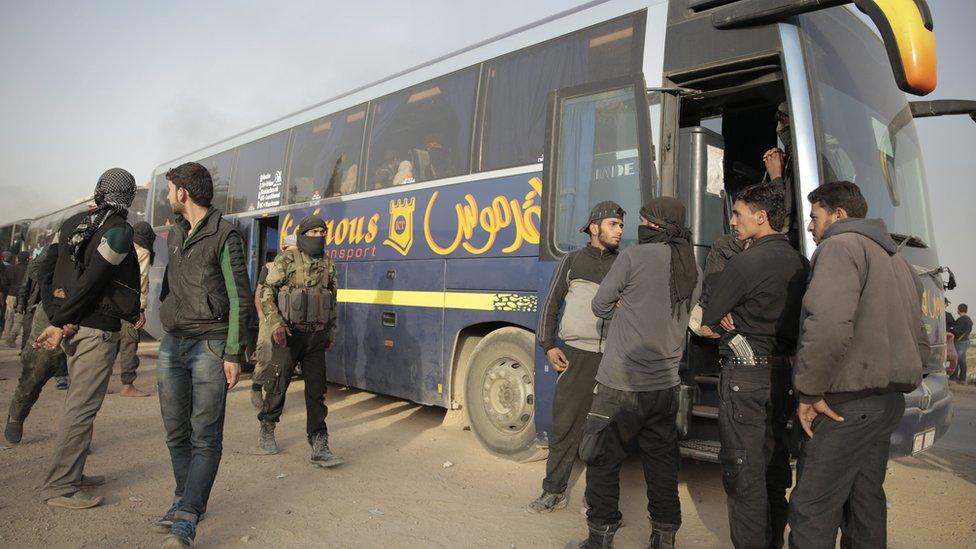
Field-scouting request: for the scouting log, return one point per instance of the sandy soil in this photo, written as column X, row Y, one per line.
column 395, row 490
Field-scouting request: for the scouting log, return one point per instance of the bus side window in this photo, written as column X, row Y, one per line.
column 325, row 156
column 423, row 132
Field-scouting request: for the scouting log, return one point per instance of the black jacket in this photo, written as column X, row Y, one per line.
column 206, row 292
column 571, row 291
column 12, row 278
column 104, row 289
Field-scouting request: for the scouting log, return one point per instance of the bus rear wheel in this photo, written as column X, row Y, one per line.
column 500, row 392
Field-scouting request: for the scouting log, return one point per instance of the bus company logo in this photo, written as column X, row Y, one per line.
column 401, row 224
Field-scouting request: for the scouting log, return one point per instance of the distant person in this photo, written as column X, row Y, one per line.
column 648, row 294
column 404, row 173
column 13, row 278
column 441, row 162
column 862, row 344
column 961, row 330
column 203, row 309
column 93, row 285
column 567, row 313
column 128, row 358
column 383, row 177
column 262, row 351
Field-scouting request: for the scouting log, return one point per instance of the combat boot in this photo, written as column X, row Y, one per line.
column 322, row 456
column 662, row 536
column 601, row 537
column 268, row 444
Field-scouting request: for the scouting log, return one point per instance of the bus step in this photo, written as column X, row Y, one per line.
column 709, row 412
column 701, row 449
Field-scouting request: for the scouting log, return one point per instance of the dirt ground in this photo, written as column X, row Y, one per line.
column 396, row 489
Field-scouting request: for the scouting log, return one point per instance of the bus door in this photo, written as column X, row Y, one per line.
column 598, row 148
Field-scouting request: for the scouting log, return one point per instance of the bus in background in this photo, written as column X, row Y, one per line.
column 451, row 189
column 12, row 235
column 41, row 229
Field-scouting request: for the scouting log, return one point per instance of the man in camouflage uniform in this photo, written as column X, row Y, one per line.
column 263, row 347
column 299, row 304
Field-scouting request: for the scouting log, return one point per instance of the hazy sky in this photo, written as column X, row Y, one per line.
column 90, row 85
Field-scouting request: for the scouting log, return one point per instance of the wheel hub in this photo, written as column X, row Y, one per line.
column 508, row 395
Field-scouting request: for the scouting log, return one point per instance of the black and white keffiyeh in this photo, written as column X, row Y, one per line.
column 114, row 193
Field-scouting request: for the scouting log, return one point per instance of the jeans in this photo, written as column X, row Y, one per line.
column 307, row 349
column 755, row 405
column 616, row 420
column 961, row 348
column 840, row 476
column 192, row 398
column 574, row 395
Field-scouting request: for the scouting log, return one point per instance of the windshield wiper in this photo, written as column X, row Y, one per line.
column 908, row 240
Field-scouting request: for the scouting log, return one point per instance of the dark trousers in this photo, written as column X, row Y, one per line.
column 754, row 408
column 616, row 420
column 307, row 349
column 961, row 348
column 37, row 367
column 27, row 326
column 840, row 476
column 192, row 390
column 571, row 403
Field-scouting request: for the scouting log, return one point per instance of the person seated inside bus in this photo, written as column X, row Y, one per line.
column 383, row 177
column 441, row 161
column 348, row 185
column 404, row 175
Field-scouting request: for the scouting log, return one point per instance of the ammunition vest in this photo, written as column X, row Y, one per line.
column 303, row 305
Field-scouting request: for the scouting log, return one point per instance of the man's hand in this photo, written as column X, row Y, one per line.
column 280, row 336
column 774, row 159
column 727, row 324
column 142, row 320
column 558, row 359
column 69, row 330
column 809, row 412
column 232, row 371
column 707, row 331
column 50, row 338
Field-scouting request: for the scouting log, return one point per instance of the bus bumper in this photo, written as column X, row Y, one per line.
column 928, row 413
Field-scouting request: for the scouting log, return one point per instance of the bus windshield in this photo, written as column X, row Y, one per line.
column 862, row 135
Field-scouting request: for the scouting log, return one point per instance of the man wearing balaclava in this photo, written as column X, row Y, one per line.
column 299, row 304
column 93, row 288
column 648, row 294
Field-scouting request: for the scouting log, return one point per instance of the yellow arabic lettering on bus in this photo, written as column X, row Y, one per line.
column 501, row 213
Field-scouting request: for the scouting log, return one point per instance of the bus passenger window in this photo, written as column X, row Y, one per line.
column 258, row 181
column 220, row 166
column 325, row 155
column 162, row 214
column 519, row 84
column 422, row 133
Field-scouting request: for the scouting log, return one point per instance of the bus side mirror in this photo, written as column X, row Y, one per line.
column 907, row 30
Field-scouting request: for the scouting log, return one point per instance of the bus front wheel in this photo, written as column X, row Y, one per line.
column 500, row 392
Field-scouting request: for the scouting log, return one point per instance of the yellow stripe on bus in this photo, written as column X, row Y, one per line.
column 409, row 298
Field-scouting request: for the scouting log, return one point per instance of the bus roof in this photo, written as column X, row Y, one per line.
column 612, row 8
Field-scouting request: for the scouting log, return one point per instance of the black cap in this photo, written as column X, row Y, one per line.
column 603, row 210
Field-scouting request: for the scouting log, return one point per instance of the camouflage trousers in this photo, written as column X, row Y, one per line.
column 38, row 366
column 264, row 372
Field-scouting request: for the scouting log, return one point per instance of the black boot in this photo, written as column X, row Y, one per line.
column 601, row 537
column 662, row 536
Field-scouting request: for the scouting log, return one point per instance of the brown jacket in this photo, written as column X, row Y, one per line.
column 862, row 330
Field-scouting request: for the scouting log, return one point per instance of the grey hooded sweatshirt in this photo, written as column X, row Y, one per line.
column 862, row 330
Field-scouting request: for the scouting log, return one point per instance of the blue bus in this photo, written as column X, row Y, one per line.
column 451, row 189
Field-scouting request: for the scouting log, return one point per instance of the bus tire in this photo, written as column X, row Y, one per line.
column 500, row 392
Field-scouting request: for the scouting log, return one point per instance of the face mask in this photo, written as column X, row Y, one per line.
column 784, row 136
column 646, row 233
column 314, row 246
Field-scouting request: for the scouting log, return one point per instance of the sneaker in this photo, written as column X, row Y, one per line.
column 322, row 456
column 548, row 502
column 14, row 431
column 78, row 500
column 164, row 524
column 267, row 443
column 181, row 535
column 62, row 383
